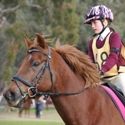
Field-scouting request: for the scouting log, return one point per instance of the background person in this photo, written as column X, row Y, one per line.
column 39, row 106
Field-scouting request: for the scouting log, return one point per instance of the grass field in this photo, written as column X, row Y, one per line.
column 49, row 117
column 10, row 122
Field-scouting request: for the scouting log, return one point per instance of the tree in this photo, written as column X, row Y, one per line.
column 63, row 19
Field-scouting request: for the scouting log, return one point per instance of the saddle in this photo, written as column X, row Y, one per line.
column 118, row 93
column 117, row 97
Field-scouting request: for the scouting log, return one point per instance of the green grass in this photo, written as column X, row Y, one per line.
column 10, row 122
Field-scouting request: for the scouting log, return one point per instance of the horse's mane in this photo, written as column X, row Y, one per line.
column 80, row 63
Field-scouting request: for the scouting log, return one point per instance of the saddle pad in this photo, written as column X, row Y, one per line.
column 116, row 101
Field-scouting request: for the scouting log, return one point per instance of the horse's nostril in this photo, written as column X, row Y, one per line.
column 12, row 94
column 6, row 95
column 9, row 95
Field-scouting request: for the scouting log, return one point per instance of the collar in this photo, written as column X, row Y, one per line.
column 102, row 36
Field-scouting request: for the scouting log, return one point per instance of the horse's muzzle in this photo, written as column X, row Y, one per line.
column 13, row 98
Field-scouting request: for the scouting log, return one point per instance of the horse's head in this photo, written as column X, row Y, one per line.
column 34, row 70
column 39, row 73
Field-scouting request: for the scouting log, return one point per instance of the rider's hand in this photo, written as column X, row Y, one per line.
column 101, row 72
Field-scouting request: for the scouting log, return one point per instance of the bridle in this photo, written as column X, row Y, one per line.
column 33, row 84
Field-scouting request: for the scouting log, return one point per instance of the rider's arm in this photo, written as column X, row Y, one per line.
column 115, row 47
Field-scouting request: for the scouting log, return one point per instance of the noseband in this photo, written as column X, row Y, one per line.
column 32, row 85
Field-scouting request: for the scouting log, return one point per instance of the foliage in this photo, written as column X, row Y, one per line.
column 61, row 19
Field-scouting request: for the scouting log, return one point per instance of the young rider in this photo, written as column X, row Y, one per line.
column 105, row 46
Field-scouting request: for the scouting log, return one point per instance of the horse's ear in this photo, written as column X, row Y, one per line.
column 57, row 44
column 28, row 42
column 41, row 41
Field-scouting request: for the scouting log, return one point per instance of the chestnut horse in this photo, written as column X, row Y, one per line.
column 71, row 80
column 25, row 107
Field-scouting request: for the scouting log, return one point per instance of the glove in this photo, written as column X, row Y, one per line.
column 101, row 73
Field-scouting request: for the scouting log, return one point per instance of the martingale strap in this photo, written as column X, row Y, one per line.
column 119, row 105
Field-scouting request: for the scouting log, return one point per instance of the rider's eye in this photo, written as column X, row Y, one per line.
column 35, row 64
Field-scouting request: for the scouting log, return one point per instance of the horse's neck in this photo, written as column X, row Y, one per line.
column 66, row 77
column 73, row 109
column 67, row 106
column 71, row 106
column 67, row 82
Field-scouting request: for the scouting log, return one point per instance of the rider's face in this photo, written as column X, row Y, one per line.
column 96, row 26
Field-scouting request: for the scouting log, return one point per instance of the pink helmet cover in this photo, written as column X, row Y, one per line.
column 99, row 12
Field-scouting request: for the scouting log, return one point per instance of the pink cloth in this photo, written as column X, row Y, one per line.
column 116, row 100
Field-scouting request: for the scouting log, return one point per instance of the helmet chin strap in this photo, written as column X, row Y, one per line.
column 104, row 27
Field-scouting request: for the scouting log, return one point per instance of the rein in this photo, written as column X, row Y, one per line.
column 32, row 88
column 32, row 85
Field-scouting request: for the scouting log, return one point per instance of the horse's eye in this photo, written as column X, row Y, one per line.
column 35, row 64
